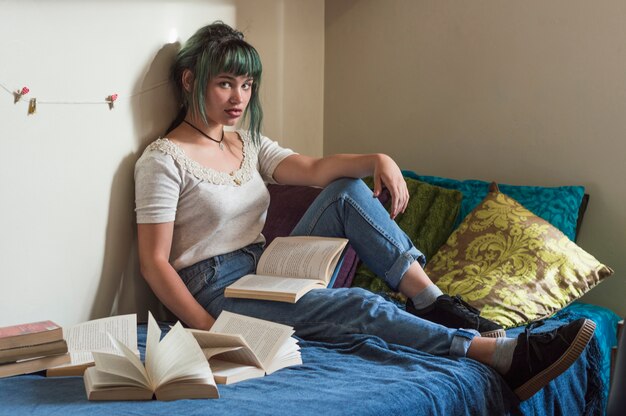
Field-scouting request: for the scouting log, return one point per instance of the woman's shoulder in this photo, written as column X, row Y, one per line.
column 161, row 146
column 257, row 145
column 245, row 136
column 160, row 152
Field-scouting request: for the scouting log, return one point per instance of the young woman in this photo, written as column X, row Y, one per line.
column 201, row 201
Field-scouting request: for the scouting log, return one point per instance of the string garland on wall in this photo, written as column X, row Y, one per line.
column 23, row 95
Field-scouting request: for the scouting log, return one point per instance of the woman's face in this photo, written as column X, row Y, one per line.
column 227, row 97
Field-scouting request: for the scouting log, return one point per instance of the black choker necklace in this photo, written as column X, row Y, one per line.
column 220, row 141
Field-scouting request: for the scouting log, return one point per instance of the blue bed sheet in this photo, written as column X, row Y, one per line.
column 353, row 375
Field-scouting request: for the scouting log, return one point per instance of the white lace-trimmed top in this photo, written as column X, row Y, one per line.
column 213, row 212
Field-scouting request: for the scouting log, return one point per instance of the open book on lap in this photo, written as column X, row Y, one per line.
column 290, row 267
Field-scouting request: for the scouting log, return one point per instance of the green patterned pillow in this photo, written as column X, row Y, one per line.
column 512, row 265
column 428, row 221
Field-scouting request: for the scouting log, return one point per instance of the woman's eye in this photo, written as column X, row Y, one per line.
column 247, row 86
column 225, row 84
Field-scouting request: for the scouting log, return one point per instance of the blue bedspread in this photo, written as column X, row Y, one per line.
column 353, row 375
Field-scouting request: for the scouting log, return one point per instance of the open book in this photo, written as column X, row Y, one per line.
column 290, row 267
column 175, row 368
column 90, row 336
column 240, row 347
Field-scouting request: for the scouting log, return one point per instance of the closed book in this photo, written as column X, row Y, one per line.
column 29, row 334
column 32, row 365
column 33, row 351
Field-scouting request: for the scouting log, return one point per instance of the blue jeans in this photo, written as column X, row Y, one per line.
column 345, row 208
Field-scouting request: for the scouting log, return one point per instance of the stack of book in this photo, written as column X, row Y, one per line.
column 31, row 347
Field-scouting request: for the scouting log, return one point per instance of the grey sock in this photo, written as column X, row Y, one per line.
column 427, row 296
column 503, row 354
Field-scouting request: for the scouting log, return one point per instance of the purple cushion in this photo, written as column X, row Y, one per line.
column 287, row 205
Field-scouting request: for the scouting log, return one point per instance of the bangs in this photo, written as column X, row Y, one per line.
column 236, row 57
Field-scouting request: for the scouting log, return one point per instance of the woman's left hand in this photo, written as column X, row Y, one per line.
column 388, row 174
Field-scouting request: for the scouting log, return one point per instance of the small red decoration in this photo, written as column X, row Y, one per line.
column 17, row 95
column 111, row 99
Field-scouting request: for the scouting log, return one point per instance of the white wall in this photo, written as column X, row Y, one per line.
column 68, row 242
column 529, row 93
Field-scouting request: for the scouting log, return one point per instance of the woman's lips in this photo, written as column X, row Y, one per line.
column 234, row 112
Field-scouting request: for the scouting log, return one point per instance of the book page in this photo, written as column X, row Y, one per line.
column 178, row 355
column 226, row 372
column 90, row 336
column 290, row 346
column 212, row 352
column 152, row 341
column 302, row 257
column 120, row 366
column 260, row 283
column 264, row 337
column 101, row 379
column 229, row 347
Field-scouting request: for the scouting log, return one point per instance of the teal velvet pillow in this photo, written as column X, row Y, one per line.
column 557, row 205
column 428, row 220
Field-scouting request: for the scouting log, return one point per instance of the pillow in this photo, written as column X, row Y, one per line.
column 287, row 205
column 428, row 221
column 512, row 265
column 557, row 205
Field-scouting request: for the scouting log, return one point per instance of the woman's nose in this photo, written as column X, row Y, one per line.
column 235, row 96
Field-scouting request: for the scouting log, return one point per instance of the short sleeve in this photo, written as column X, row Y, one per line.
column 270, row 155
column 157, row 188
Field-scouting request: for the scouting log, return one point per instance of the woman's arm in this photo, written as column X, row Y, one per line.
column 155, row 242
column 305, row 170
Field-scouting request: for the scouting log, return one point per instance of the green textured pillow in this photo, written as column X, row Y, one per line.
column 428, row 221
column 513, row 265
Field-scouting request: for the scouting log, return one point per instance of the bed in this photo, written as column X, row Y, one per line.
column 356, row 374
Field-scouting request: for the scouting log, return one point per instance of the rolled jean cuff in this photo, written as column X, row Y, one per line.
column 461, row 341
column 401, row 265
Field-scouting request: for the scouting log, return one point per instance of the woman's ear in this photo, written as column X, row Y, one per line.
column 188, row 80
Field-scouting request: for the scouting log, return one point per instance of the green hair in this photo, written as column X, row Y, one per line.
column 212, row 50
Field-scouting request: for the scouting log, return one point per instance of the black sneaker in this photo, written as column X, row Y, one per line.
column 541, row 357
column 453, row 312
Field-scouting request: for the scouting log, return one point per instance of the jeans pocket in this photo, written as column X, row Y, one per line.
column 202, row 277
column 254, row 251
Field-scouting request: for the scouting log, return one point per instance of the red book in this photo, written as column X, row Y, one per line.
column 29, row 334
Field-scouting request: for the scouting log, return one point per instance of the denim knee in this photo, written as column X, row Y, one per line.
column 347, row 186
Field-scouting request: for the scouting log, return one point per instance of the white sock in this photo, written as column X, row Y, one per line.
column 503, row 354
column 427, row 296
